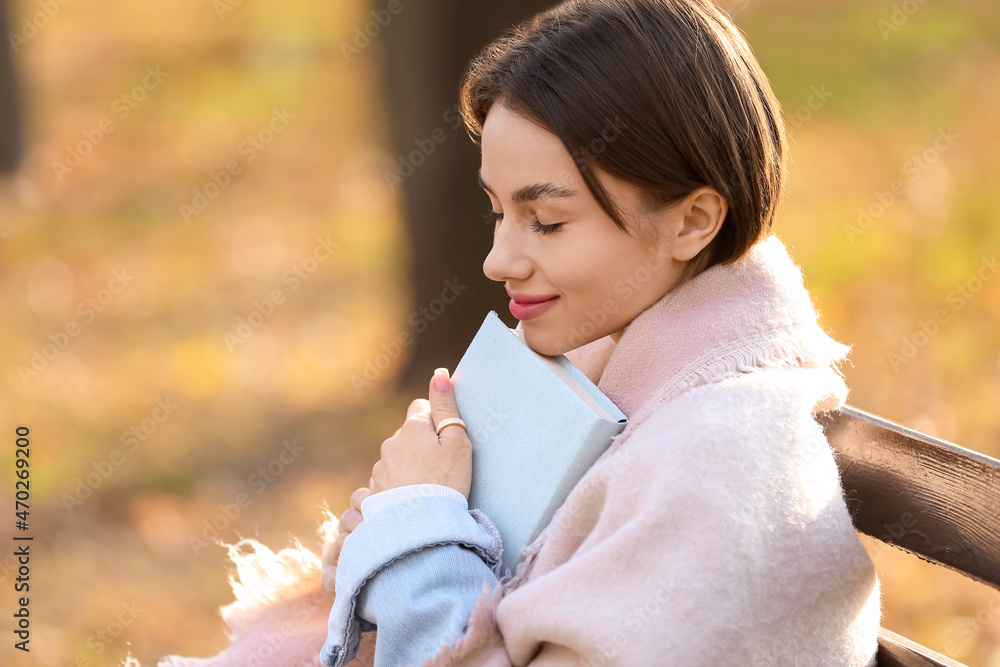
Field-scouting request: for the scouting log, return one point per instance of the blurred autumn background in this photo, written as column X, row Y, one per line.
column 229, row 215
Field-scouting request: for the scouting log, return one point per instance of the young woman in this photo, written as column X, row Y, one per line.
column 632, row 153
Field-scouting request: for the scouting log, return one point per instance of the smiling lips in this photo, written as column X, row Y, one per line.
column 526, row 307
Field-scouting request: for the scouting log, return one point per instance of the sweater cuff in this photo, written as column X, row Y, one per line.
column 402, row 529
column 377, row 502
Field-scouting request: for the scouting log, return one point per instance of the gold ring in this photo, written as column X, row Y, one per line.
column 449, row 422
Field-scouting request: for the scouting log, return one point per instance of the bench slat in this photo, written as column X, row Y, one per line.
column 898, row 651
column 927, row 496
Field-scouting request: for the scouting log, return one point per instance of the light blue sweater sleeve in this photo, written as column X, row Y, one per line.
column 413, row 572
column 376, row 502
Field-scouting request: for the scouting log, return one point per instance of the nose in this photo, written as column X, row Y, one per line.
column 507, row 259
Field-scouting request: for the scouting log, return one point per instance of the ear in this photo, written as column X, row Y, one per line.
column 700, row 215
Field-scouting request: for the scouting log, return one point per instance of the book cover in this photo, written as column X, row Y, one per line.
column 536, row 423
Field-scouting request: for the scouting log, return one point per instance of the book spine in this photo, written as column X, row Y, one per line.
column 591, row 448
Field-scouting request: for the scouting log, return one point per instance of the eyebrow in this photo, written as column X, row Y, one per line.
column 530, row 193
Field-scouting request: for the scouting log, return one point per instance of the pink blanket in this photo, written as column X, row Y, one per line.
column 280, row 613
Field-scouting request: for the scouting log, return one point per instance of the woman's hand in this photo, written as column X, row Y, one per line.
column 417, row 455
column 349, row 520
column 414, row 455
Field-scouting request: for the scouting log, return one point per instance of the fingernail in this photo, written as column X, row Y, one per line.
column 441, row 381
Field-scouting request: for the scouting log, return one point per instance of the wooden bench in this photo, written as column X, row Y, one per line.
column 926, row 496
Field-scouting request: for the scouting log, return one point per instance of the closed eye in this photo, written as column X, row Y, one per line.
column 544, row 230
column 492, row 218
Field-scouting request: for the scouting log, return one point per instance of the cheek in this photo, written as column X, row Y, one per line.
column 594, row 289
column 600, row 281
column 565, row 264
column 605, row 265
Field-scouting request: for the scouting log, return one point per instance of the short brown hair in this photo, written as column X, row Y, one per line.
column 691, row 105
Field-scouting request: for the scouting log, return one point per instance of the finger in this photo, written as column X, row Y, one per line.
column 328, row 581
column 350, row 520
column 331, row 555
column 443, row 406
column 418, row 406
column 358, row 496
column 375, row 470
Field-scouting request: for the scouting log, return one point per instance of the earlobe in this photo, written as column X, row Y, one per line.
column 704, row 211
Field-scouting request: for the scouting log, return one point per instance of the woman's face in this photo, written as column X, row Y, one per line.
column 553, row 240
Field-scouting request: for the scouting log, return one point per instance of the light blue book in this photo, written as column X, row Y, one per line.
column 536, row 423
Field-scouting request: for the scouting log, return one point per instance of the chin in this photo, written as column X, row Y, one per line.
column 552, row 343
column 540, row 342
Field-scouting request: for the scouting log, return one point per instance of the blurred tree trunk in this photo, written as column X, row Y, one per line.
column 10, row 127
column 428, row 46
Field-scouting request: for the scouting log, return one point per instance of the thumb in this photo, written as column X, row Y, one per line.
column 443, row 406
